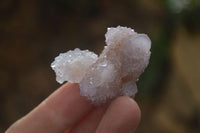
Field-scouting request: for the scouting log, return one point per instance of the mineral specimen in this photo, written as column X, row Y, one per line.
column 114, row 73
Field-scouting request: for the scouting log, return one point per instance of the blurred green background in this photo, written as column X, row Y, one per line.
column 33, row 32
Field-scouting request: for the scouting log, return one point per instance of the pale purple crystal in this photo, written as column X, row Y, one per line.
column 113, row 73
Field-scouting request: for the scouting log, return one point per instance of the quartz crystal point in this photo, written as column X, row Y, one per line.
column 114, row 73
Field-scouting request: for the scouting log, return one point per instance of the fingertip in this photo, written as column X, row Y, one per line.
column 123, row 115
column 129, row 107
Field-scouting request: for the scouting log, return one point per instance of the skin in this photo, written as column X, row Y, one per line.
column 65, row 111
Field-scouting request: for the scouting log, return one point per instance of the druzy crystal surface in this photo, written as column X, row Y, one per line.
column 114, row 73
column 72, row 65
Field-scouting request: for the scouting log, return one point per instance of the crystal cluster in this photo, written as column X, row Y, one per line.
column 114, row 73
column 72, row 65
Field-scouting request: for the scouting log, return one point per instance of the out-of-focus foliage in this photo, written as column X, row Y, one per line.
column 33, row 32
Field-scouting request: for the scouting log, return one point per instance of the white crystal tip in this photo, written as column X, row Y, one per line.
column 72, row 65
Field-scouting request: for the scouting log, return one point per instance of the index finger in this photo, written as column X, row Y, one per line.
column 55, row 114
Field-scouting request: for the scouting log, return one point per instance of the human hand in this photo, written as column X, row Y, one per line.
column 65, row 111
